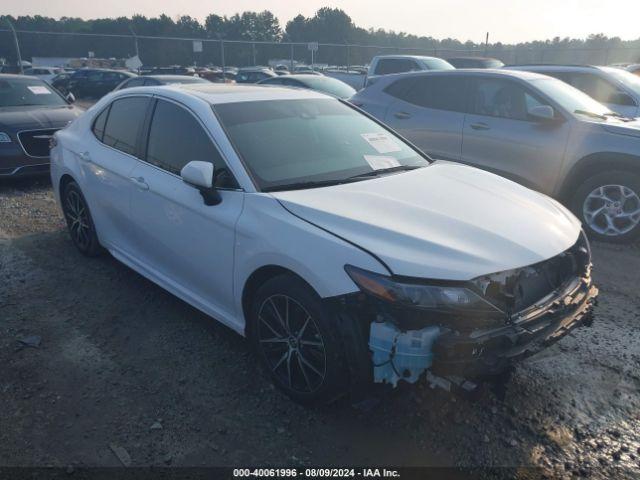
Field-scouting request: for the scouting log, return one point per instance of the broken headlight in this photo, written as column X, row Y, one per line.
column 429, row 296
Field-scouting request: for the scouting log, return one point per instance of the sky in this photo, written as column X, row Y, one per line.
column 507, row 21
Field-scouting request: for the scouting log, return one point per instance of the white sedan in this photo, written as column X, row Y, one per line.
column 345, row 255
column 44, row 73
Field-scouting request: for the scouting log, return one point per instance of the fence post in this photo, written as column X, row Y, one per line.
column 348, row 59
column 291, row 66
column 15, row 39
column 224, row 73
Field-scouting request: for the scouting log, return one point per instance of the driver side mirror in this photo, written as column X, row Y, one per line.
column 70, row 97
column 542, row 113
column 200, row 175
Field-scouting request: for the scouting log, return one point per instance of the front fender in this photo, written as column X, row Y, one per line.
column 269, row 235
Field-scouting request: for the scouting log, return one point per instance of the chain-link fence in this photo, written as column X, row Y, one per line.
column 162, row 51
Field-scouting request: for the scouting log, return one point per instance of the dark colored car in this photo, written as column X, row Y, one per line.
column 475, row 62
column 150, row 80
column 174, row 70
column 30, row 113
column 320, row 83
column 92, row 83
column 60, row 81
column 254, row 75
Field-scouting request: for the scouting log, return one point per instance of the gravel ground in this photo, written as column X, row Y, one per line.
column 121, row 363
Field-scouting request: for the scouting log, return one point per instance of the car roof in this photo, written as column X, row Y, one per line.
column 303, row 77
column 406, row 56
column 169, row 77
column 471, row 58
column 496, row 72
column 219, row 93
column 16, row 76
column 542, row 67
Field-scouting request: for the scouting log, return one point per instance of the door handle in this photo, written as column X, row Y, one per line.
column 140, row 183
column 480, row 126
column 85, row 157
column 402, row 115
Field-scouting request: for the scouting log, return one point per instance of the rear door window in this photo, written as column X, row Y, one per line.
column 123, row 125
column 437, row 92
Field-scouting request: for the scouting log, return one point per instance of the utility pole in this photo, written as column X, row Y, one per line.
column 486, row 45
column 135, row 44
column 135, row 41
column 15, row 39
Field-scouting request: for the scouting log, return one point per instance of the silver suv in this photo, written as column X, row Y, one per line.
column 531, row 128
column 613, row 87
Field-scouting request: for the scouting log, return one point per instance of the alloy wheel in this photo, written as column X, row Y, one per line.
column 77, row 217
column 292, row 344
column 612, row 210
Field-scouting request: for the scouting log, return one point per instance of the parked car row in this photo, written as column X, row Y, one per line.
column 354, row 241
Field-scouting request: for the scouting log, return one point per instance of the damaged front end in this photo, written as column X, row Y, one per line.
column 461, row 331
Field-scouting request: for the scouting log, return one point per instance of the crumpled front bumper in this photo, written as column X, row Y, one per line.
column 491, row 351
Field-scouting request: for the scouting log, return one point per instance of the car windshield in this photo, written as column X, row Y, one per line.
column 22, row 92
column 330, row 86
column 437, row 64
column 288, row 144
column 628, row 79
column 570, row 98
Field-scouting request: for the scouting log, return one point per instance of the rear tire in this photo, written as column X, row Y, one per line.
column 295, row 338
column 79, row 220
column 608, row 204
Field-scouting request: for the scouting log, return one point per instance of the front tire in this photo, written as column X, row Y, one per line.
column 79, row 221
column 295, row 338
column 608, row 204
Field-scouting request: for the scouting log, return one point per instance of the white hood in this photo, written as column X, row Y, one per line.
column 445, row 221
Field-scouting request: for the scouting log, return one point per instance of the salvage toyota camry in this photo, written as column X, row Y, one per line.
column 347, row 257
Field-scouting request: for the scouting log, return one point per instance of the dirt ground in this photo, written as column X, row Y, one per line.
column 117, row 361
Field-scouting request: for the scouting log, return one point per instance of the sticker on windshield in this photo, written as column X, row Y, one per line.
column 381, row 142
column 39, row 90
column 378, row 162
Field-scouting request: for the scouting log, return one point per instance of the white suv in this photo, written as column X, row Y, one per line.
column 616, row 88
column 330, row 242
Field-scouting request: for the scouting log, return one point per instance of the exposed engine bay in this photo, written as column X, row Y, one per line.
column 535, row 306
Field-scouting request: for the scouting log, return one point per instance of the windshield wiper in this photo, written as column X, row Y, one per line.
column 375, row 173
column 309, row 184
column 617, row 115
column 590, row 114
column 328, row 183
